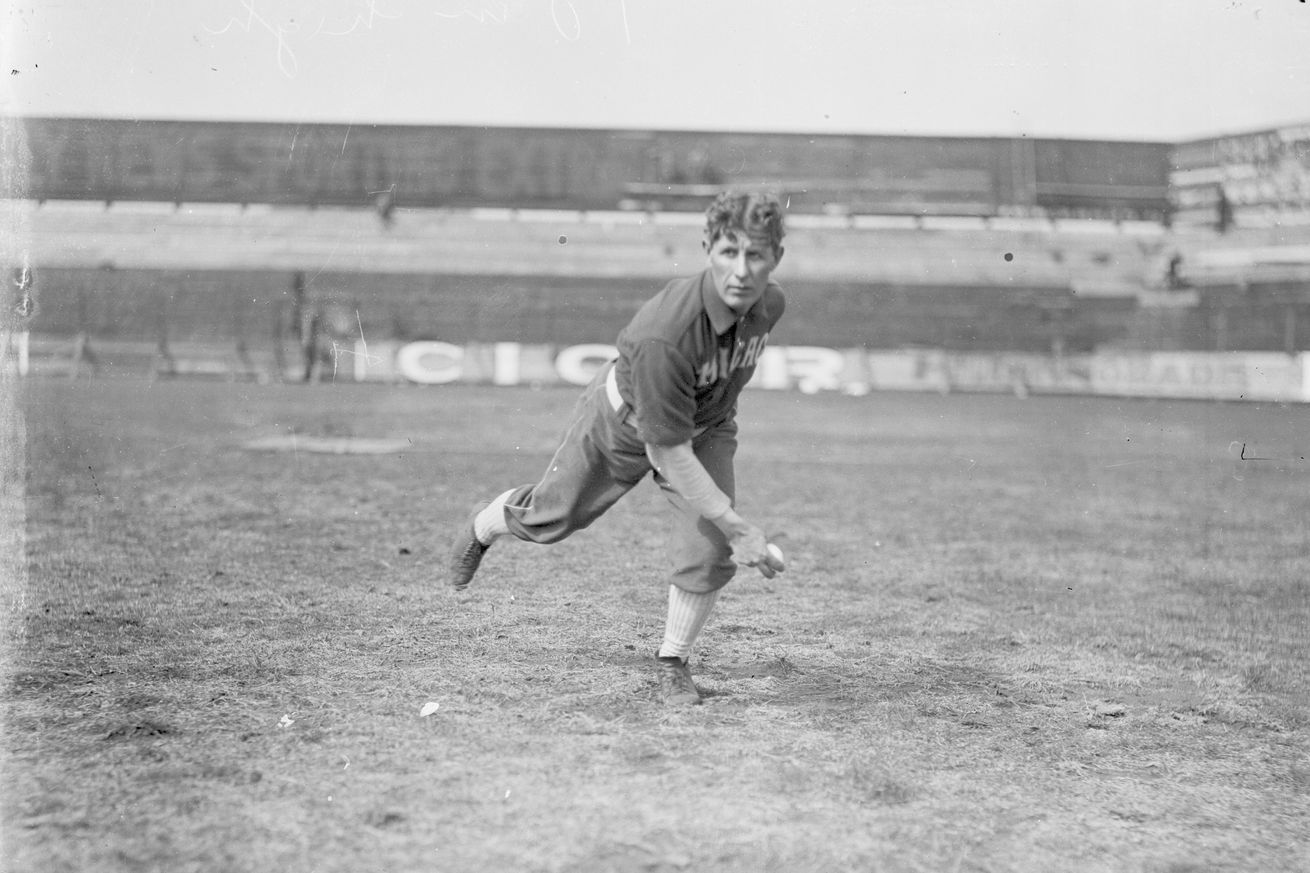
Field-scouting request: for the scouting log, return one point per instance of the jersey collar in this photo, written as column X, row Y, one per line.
column 722, row 318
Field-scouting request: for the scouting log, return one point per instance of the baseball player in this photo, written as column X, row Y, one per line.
column 668, row 404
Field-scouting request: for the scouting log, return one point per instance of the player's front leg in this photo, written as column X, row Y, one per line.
column 687, row 613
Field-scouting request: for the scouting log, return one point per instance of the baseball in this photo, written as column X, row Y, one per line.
column 777, row 554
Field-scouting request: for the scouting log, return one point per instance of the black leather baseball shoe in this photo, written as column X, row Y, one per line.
column 465, row 556
column 676, row 687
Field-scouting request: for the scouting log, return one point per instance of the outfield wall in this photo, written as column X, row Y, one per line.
column 1235, row 376
column 810, row 369
column 253, row 307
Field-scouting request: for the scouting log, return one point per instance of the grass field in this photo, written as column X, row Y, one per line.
column 1051, row 634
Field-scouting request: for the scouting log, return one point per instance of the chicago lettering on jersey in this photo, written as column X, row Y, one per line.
column 721, row 366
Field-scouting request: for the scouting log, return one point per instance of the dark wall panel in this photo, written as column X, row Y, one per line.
column 227, row 307
column 337, row 164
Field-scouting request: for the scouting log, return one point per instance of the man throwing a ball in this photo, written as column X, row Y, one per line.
column 668, row 404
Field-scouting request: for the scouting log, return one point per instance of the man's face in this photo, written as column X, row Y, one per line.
column 741, row 264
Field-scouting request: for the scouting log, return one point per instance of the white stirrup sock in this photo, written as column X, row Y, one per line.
column 688, row 613
column 490, row 522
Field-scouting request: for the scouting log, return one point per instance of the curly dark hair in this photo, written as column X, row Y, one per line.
column 751, row 213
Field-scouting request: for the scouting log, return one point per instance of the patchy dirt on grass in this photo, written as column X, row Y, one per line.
column 1053, row 634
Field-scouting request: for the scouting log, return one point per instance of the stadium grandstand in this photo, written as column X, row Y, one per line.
column 239, row 248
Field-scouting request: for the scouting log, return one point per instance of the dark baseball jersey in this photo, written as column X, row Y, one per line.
column 685, row 357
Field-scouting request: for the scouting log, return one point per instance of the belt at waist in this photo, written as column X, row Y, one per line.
column 612, row 390
column 616, row 399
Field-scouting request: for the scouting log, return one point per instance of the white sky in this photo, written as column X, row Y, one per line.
column 1119, row 69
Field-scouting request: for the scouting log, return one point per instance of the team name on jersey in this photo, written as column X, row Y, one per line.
column 726, row 361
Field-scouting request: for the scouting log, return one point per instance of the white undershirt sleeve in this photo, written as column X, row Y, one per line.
column 680, row 467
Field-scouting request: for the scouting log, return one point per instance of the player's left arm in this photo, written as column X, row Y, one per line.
column 679, row 465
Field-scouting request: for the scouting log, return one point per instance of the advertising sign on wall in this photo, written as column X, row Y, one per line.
column 1264, row 170
column 1219, row 375
column 1260, row 376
